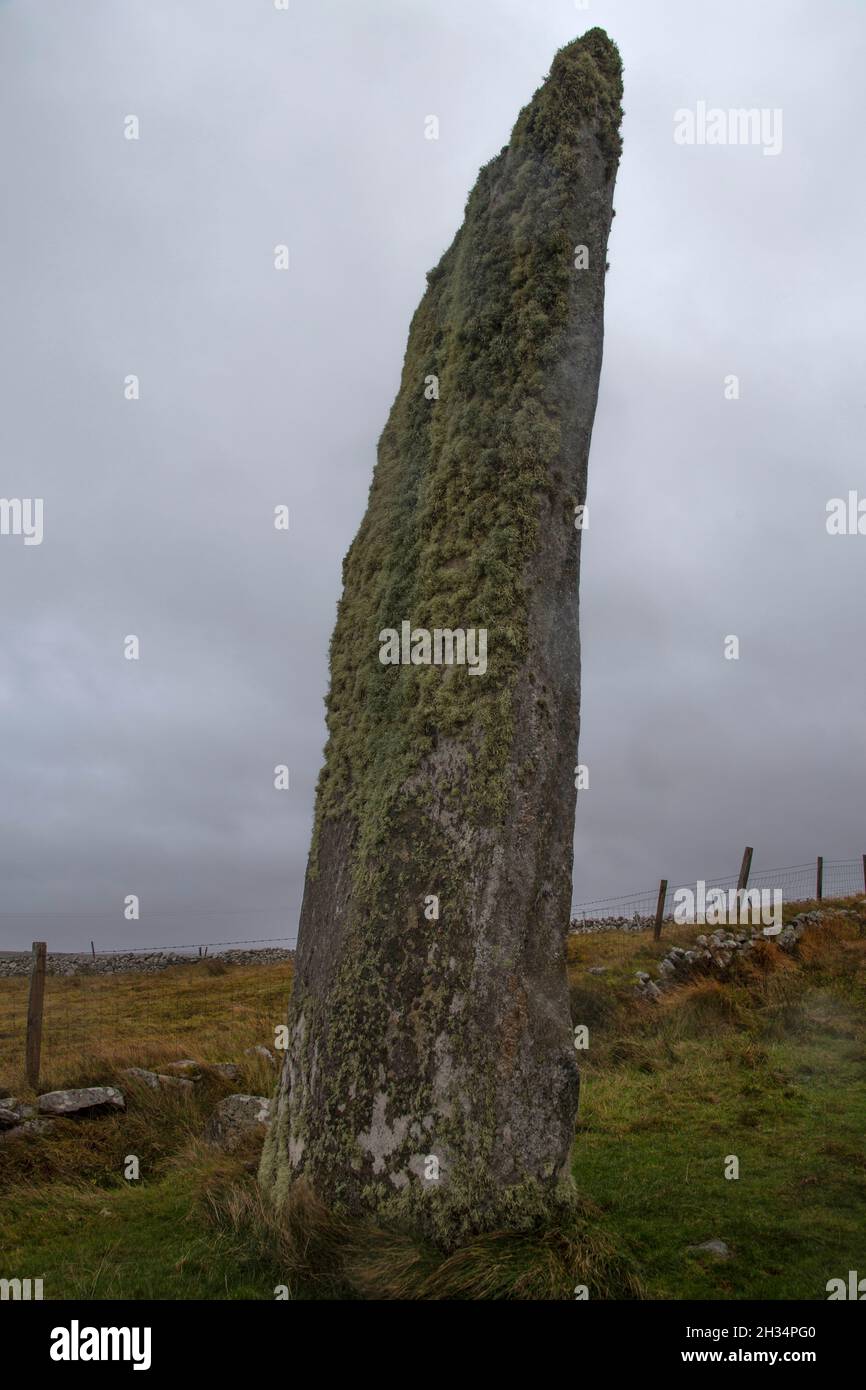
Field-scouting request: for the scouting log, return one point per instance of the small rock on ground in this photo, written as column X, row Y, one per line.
column 235, row 1117
column 227, row 1070
column 28, row 1129
column 86, row 1101
column 187, row 1067
column 144, row 1077
column 717, row 1248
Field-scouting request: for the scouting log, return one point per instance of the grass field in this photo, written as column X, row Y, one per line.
column 769, row 1067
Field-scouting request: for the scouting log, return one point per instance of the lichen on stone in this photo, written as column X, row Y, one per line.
column 439, row 782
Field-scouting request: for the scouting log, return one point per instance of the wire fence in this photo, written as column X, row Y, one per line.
column 140, row 1006
column 197, row 998
column 841, row 878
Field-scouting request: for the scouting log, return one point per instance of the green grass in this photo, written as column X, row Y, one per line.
column 769, row 1066
column 147, row 1241
column 652, row 1147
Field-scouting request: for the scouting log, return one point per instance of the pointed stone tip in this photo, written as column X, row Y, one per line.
column 583, row 89
column 600, row 48
column 596, row 39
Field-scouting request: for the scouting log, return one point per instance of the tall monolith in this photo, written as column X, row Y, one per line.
column 430, row 1078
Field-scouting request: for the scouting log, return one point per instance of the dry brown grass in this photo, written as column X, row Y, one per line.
column 104, row 1022
column 700, row 1008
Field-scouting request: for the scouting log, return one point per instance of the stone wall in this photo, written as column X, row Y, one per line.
column 138, row 962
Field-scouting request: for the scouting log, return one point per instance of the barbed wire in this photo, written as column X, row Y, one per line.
column 604, row 906
column 181, row 946
column 792, row 874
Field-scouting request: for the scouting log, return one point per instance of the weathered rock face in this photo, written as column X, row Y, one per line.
column 430, row 1077
column 235, row 1117
column 87, row 1100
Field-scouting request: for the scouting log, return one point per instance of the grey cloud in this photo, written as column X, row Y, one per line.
column 156, row 258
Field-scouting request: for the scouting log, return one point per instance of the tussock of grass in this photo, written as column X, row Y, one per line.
column 644, row 1054
column 704, row 1007
column 327, row 1255
column 592, row 1003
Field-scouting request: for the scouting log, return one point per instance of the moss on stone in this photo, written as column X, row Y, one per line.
column 452, row 516
column 457, row 1042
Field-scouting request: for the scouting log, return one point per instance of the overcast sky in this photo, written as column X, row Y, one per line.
column 155, row 257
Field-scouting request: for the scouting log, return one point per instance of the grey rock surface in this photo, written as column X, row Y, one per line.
column 412, row 1037
column 34, row 1128
column 88, row 1100
column 228, row 1071
column 186, row 1067
column 235, row 1117
column 142, row 1077
column 183, row 1084
column 156, row 1081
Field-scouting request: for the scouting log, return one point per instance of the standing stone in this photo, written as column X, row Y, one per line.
column 430, row 1077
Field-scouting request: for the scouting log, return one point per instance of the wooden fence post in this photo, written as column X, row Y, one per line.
column 743, row 883
column 660, row 908
column 819, row 886
column 34, row 1014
